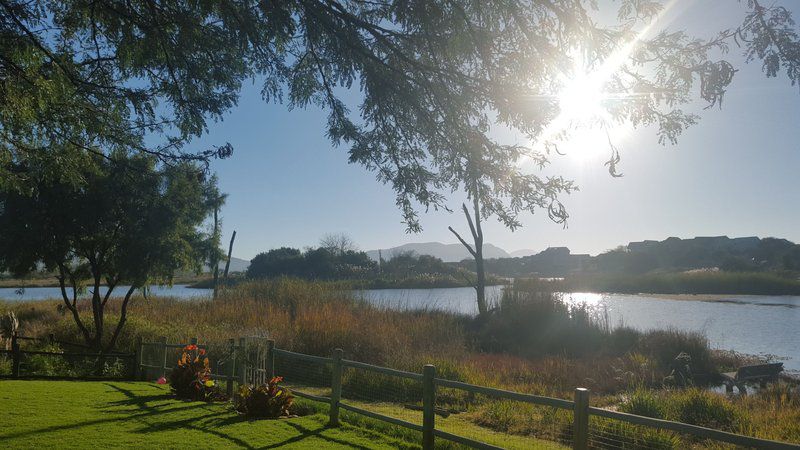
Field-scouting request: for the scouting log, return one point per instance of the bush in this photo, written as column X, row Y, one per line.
column 643, row 403
column 191, row 378
column 703, row 408
column 534, row 322
column 266, row 401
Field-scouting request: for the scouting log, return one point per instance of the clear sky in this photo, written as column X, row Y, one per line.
column 735, row 173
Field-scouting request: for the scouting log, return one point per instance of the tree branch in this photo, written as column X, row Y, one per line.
column 463, row 242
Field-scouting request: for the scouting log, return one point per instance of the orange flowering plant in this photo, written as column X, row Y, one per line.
column 266, row 401
column 191, row 377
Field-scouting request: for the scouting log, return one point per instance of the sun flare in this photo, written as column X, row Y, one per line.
column 581, row 100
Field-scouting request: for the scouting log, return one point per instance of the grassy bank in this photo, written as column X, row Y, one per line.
column 415, row 282
column 743, row 283
column 533, row 342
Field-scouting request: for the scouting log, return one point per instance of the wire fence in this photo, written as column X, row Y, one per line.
column 28, row 357
column 480, row 417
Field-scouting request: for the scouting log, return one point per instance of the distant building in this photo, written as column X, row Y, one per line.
column 642, row 246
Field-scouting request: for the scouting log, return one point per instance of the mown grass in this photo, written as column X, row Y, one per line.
column 61, row 414
column 700, row 282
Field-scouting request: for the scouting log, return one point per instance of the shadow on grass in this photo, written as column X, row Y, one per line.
column 155, row 418
column 216, row 422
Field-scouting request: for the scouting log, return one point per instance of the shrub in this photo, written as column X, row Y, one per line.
column 532, row 322
column 704, row 408
column 48, row 365
column 643, row 403
column 266, row 401
column 663, row 346
column 191, row 378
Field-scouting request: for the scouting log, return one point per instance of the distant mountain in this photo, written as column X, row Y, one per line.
column 523, row 252
column 445, row 252
column 237, row 265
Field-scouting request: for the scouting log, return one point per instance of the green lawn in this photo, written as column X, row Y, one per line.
column 73, row 414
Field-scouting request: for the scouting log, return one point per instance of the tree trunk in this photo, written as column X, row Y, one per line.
column 71, row 304
column 97, row 310
column 215, row 250
column 230, row 252
column 476, row 250
column 480, row 286
column 123, row 317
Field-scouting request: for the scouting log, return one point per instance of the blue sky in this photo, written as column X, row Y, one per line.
column 734, row 173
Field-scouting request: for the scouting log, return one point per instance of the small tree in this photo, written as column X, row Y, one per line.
column 338, row 243
column 130, row 222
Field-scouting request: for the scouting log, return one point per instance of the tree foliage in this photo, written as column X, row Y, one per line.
column 315, row 263
column 435, row 79
column 130, row 222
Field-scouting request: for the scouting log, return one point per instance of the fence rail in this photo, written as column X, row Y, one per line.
column 19, row 355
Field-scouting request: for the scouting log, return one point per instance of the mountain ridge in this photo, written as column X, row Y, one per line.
column 446, row 252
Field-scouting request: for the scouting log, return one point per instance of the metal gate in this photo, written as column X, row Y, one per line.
column 254, row 360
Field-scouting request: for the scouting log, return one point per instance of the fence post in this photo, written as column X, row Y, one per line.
column 163, row 341
column 336, row 387
column 51, row 338
column 15, row 354
column 428, row 406
column 270, row 359
column 137, row 359
column 580, row 424
column 231, row 367
column 243, row 375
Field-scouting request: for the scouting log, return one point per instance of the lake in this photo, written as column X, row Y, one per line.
column 44, row 293
column 753, row 324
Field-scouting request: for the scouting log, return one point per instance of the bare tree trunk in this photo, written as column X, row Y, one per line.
column 230, row 252
column 476, row 251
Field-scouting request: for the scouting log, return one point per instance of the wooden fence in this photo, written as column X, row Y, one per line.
column 579, row 406
column 239, row 368
column 19, row 355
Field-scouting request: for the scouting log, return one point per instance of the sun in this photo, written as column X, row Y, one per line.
column 583, row 118
column 580, row 102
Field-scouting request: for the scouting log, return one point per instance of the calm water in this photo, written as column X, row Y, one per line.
column 754, row 324
column 44, row 293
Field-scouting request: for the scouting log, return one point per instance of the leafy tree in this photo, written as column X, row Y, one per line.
column 435, row 79
column 315, row 263
column 280, row 261
column 434, row 76
column 129, row 222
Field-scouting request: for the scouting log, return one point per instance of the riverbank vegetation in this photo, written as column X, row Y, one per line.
column 350, row 268
column 695, row 282
column 532, row 341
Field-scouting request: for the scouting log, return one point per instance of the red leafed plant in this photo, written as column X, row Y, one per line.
column 265, row 401
column 191, row 377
